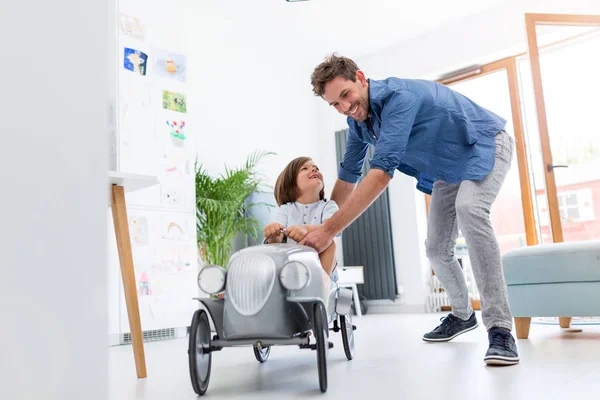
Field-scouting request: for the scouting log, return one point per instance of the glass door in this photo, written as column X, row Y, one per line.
column 561, row 97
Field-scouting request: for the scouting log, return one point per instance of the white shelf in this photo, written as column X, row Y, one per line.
column 131, row 182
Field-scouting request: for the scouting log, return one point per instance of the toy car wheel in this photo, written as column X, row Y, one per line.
column 321, row 333
column 347, row 335
column 261, row 353
column 200, row 357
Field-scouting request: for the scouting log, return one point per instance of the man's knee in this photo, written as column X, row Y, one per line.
column 469, row 210
column 437, row 251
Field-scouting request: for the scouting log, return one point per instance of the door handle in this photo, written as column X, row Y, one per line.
column 552, row 166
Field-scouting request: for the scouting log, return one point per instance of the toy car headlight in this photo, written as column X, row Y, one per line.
column 211, row 279
column 294, row 275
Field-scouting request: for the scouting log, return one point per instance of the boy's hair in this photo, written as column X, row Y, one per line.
column 286, row 188
column 331, row 68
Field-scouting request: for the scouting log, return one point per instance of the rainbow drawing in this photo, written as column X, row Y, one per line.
column 173, row 231
column 174, row 225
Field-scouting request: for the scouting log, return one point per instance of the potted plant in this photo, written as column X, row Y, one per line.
column 222, row 208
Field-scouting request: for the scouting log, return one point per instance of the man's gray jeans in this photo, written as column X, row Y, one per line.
column 467, row 204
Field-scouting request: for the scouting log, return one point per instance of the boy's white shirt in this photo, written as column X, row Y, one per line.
column 295, row 213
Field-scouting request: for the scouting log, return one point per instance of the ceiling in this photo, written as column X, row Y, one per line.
column 354, row 28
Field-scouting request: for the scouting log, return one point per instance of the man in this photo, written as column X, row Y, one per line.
column 458, row 152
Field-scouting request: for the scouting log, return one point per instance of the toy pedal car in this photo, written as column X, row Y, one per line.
column 276, row 294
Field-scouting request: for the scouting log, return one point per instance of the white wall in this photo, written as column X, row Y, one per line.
column 54, row 139
column 252, row 90
column 485, row 37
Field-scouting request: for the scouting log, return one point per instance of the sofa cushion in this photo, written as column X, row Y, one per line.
column 553, row 263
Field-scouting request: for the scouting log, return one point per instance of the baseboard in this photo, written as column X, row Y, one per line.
column 118, row 339
column 393, row 307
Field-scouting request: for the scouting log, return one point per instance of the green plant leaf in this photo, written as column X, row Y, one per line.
column 221, row 209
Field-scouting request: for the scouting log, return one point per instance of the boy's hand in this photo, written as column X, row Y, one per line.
column 296, row 232
column 273, row 230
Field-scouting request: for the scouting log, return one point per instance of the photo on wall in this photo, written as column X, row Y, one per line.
column 135, row 61
column 170, row 65
column 174, row 101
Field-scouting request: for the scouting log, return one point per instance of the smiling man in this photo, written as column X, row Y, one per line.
column 458, row 152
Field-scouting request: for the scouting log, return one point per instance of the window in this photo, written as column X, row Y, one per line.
column 574, row 206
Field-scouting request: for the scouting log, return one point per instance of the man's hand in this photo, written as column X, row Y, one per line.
column 296, row 232
column 319, row 239
column 273, row 230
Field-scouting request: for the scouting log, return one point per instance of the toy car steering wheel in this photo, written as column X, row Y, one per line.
column 284, row 240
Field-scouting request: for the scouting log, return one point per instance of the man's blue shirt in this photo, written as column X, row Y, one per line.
column 425, row 130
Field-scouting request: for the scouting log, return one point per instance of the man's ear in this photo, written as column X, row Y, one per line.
column 360, row 77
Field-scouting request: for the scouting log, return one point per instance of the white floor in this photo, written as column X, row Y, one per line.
column 391, row 362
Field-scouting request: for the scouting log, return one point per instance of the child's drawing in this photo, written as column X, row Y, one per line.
column 174, row 101
column 171, row 65
column 144, row 285
column 177, row 132
column 175, row 257
column 138, row 231
column 171, row 196
column 175, row 228
column 133, row 27
column 135, row 60
column 175, row 165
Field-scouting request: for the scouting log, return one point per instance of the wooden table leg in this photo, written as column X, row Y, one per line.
column 121, row 223
column 564, row 322
column 522, row 325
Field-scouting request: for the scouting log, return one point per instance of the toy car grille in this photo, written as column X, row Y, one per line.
column 250, row 280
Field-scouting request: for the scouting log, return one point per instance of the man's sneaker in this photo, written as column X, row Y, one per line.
column 503, row 349
column 450, row 328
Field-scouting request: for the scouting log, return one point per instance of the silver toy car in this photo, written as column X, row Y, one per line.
column 275, row 294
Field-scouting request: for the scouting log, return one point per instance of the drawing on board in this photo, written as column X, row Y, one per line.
column 174, row 101
column 171, row 196
column 138, row 230
column 135, row 61
column 170, row 65
column 176, row 131
column 175, row 257
column 132, row 26
column 175, row 165
column 175, row 227
column 144, row 288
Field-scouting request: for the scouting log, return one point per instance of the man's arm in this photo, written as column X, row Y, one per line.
column 341, row 191
column 357, row 202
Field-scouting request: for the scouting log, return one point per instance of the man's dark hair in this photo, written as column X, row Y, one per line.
column 331, row 68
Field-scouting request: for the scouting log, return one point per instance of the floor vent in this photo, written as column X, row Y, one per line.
column 151, row 336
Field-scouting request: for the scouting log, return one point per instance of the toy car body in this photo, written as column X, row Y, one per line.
column 275, row 294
